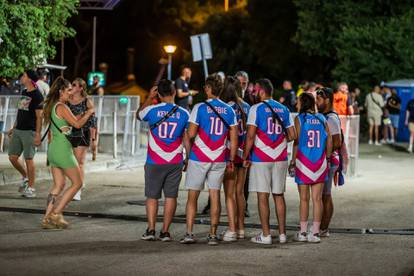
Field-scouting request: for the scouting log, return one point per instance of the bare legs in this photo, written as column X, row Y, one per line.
column 316, row 191
column 30, row 174
column 152, row 212
column 230, row 195
column 264, row 212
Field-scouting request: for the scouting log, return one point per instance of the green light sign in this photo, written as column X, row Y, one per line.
column 123, row 100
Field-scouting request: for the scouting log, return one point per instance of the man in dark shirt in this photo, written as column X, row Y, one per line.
column 25, row 134
column 409, row 121
column 288, row 97
column 183, row 91
column 393, row 106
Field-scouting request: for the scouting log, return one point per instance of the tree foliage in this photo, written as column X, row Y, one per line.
column 378, row 51
column 28, row 28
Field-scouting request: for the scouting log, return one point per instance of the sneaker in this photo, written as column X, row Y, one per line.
column 314, row 238
column 383, row 141
column 212, row 240
column 370, row 142
column 188, row 239
column 165, row 236
column 410, row 150
column 324, row 233
column 149, row 235
column 29, row 192
column 23, row 186
column 77, row 196
column 282, row 238
column 262, row 239
column 301, row 237
column 378, row 143
column 240, row 234
column 229, row 236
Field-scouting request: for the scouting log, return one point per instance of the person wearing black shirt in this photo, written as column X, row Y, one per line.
column 409, row 121
column 288, row 97
column 183, row 91
column 25, row 134
column 393, row 107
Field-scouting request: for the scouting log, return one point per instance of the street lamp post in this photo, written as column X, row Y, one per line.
column 169, row 49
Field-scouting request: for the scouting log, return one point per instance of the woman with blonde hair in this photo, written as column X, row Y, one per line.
column 60, row 152
column 78, row 104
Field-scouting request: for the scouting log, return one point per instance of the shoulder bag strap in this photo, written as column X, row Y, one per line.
column 218, row 115
column 275, row 116
column 168, row 115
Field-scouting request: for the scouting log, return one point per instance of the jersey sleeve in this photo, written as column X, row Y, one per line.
column 186, row 117
column 287, row 118
column 233, row 118
column 143, row 114
column 252, row 118
column 194, row 117
column 334, row 125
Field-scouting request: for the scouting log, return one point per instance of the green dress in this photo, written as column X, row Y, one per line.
column 60, row 151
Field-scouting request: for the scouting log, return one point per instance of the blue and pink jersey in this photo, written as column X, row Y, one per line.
column 210, row 142
column 270, row 143
column 311, row 164
column 242, row 111
column 165, row 141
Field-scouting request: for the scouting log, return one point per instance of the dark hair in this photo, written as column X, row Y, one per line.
column 266, row 85
column 53, row 97
column 216, row 84
column 326, row 93
column 165, row 88
column 307, row 102
column 231, row 90
column 184, row 66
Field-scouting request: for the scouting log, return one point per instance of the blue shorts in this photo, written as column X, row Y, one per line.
column 395, row 119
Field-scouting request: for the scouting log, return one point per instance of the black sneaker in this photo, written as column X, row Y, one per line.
column 165, row 236
column 149, row 235
column 212, row 240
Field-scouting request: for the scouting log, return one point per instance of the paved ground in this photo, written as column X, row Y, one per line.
column 380, row 197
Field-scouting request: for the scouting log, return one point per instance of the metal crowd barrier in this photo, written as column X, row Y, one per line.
column 117, row 127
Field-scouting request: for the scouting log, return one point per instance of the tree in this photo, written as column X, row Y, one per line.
column 28, row 28
column 321, row 24
column 378, row 51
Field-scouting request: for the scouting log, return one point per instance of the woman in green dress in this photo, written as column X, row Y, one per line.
column 60, row 152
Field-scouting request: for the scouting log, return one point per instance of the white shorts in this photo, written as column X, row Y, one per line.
column 268, row 177
column 200, row 172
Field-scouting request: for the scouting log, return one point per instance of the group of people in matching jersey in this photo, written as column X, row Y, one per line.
column 222, row 139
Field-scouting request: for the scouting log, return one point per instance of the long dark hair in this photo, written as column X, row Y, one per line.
column 232, row 88
column 53, row 97
column 307, row 102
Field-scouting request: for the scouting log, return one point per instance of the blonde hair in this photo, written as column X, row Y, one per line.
column 82, row 84
column 53, row 97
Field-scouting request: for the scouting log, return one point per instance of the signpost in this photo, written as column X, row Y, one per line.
column 201, row 50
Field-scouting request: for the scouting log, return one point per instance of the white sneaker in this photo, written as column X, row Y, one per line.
column 229, row 236
column 383, row 141
column 370, row 142
column 29, row 192
column 410, row 150
column 240, row 234
column 301, row 237
column 314, row 238
column 392, row 141
column 282, row 238
column 77, row 196
column 262, row 239
column 324, row 233
column 23, row 185
column 378, row 144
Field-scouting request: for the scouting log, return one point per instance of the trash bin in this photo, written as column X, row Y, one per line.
column 405, row 90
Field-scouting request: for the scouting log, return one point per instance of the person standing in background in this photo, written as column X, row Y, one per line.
column 96, row 89
column 374, row 104
column 288, row 97
column 25, row 134
column 394, row 107
column 43, row 83
column 342, row 101
column 182, row 87
column 409, row 121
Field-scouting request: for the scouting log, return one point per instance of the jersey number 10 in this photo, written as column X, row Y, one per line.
column 216, row 126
